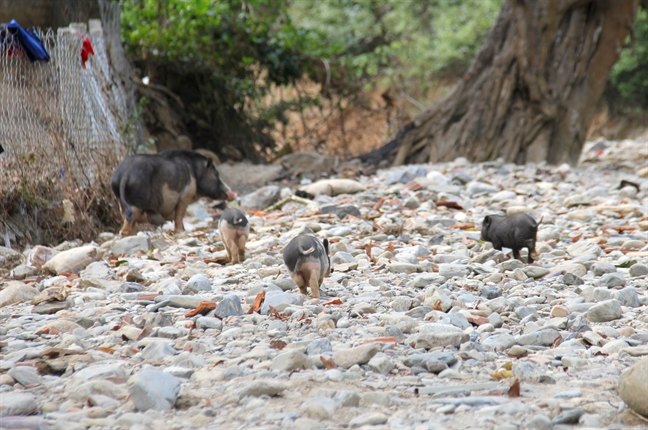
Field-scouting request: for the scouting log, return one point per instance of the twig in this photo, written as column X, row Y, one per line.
column 285, row 200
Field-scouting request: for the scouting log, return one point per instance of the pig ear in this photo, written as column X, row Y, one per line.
column 487, row 221
column 210, row 163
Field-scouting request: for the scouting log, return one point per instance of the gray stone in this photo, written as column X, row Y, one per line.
column 347, row 398
column 23, row 271
column 569, row 417
column 419, row 360
column 169, row 286
column 608, row 310
column 627, row 297
column 157, row 350
column 97, row 270
column 130, row 245
column 438, row 300
column 18, row 403
column 401, row 304
column 261, row 387
column 434, row 335
column 511, row 265
column 539, row 422
column 633, row 388
column 152, row 389
column 571, row 279
column 341, row 211
column 498, row 342
column 381, row 364
column 496, row 320
column 637, row 270
column 583, row 247
column 456, row 319
column 535, row 271
column 568, row 394
column 475, row 188
column 230, row 306
column 613, row 347
column 435, row 366
column 524, row 311
column 449, row 270
column 186, row 302
column 48, row 308
column 539, row 338
column 342, row 258
column 490, row 292
column 204, row 323
column 197, row 284
column 376, row 398
column 611, row 280
column 600, row 268
column 424, row 280
column 17, row 293
column 25, row 375
column 346, row 358
column 280, row 301
column 527, row 371
column 289, row 361
column 321, row 408
column 399, row 267
column 319, row 346
column 261, row 198
column 371, row 418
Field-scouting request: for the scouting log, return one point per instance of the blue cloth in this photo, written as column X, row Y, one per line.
column 28, row 40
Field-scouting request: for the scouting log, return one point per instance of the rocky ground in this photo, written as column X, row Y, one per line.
column 421, row 325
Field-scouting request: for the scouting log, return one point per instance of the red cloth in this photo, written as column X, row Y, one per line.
column 86, row 50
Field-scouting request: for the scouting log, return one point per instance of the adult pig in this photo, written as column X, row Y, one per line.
column 308, row 262
column 234, row 230
column 515, row 231
column 158, row 187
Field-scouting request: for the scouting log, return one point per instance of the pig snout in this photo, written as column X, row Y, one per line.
column 231, row 195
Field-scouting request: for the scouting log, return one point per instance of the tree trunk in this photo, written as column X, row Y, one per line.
column 531, row 93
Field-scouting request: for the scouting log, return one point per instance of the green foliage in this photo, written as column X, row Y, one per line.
column 627, row 88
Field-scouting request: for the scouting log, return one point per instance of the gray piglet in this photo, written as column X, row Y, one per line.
column 234, row 230
column 515, row 231
column 308, row 262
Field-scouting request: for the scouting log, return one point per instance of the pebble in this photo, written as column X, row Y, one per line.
column 415, row 303
column 633, row 388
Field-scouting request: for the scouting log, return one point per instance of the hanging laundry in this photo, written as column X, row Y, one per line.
column 12, row 35
column 86, row 50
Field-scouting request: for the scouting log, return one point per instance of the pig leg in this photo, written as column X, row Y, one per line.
column 299, row 280
column 241, row 247
column 314, row 284
column 530, row 245
column 516, row 254
column 181, row 209
column 234, row 251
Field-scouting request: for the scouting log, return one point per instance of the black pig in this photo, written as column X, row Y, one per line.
column 308, row 262
column 515, row 231
column 158, row 187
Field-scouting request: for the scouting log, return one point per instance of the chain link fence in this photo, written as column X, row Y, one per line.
column 64, row 127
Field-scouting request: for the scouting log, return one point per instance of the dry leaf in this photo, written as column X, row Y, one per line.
column 500, row 374
column 577, row 238
column 379, row 203
column 463, row 226
column 333, row 301
column 277, row 344
column 514, row 391
column 328, row 363
column 557, row 342
column 257, row 302
column 106, row 350
column 437, row 305
column 203, row 308
column 449, row 204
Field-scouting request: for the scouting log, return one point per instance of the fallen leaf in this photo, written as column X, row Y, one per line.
column 144, row 333
column 375, row 339
column 277, row 344
column 333, row 301
column 500, row 374
column 328, row 363
column 557, row 342
column 106, row 350
column 203, row 308
column 463, row 226
column 257, row 302
column 577, row 238
column 379, row 203
column 449, row 204
column 437, row 305
column 514, row 391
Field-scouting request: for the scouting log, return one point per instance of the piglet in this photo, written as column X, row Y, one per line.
column 515, row 231
column 308, row 262
column 234, row 230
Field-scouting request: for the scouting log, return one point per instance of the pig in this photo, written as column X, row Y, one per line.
column 234, row 230
column 308, row 262
column 157, row 187
column 515, row 231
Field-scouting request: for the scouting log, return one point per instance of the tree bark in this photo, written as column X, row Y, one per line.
column 531, row 92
